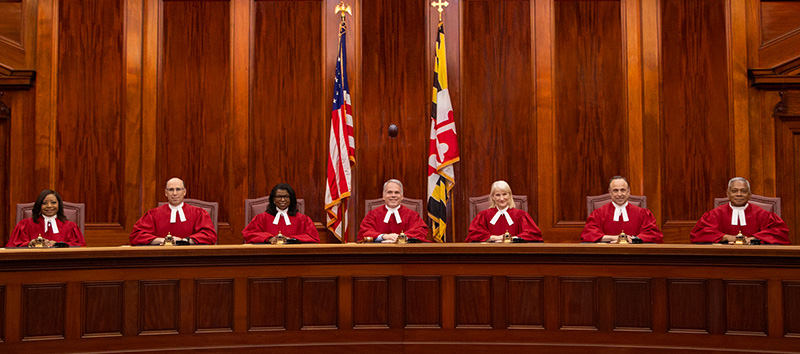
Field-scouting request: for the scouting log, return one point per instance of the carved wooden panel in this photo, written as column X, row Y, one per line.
column 632, row 301
column 213, row 305
column 497, row 130
column 89, row 144
column 103, row 312
column 423, row 302
column 396, row 89
column 473, row 302
column 697, row 141
column 2, row 313
column 264, row 297
column 787, row 157
column 320, row 303
column 746, row 307
column 578, row 302
column 43, row 319
column 525, row 302
column 778, row 18
column 590, row 106
column 687, row 305
column 11, row 21
column 371, row 302
column 159, row 306
column 791, row 308
column 194, row 107
column 288, row 141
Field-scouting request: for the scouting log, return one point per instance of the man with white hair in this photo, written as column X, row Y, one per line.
column 723, row 223
column 183, row 221
column 608, row 222
column 384, row 224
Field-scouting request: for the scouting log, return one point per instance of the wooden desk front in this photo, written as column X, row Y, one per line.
column 451, row 298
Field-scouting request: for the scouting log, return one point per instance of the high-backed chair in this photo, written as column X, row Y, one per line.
column 253, row 207
column 211, row 207
column 596, row 201
column 479, row 204
column 413, row 204
column 75, row 212
column 767, row 203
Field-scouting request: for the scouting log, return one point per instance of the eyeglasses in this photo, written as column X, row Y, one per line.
column 172, row 190
column 282, row 197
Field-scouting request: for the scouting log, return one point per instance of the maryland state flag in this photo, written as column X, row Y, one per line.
column 443, row 152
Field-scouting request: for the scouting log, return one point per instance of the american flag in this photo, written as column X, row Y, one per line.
column 341, row 148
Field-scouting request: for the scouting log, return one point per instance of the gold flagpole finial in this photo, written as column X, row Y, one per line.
column 440, row 5
column 342, row 8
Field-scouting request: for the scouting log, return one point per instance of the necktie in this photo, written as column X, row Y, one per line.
column 503, row 212
column 284, row 214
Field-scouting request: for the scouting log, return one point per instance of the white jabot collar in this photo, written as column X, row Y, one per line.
column 176, row 210
column 282, row 213
column 50, row 221
column 737, row 218
column 392, row 212
column 620, row 210
column 503, row 212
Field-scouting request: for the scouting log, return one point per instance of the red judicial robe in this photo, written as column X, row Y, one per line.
column 641, row 223
column 412, row 225
column 761, row 224
column 260, row 229
column 155, row 223
column 481, row 229
column 27, row 230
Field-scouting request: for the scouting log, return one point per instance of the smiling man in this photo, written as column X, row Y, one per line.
column 385, row 224
column 723, row 223
column 184, row 222
column 606, row 223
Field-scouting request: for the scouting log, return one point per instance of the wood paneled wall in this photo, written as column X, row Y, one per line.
column 554, row 96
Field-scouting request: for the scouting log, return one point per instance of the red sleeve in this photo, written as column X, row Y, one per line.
column 310, row 234
column 478, row 231
column 204, row 232
column 593, row 231
column 707, row 229
column 144, row 229
column 254, row 232
column 416, row 227
column 773, row 229
column 19, row 237
column 648, row 229
column 73, row 237
column 529, row 230
column 368, row 226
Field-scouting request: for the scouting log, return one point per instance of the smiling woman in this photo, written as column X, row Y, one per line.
column 502, row 218
column 49, row 222
column 281, row 217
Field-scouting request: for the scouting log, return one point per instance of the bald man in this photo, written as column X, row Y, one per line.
column 184, row 222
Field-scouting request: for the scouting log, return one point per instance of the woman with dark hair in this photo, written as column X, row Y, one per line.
column 281, row 217
column 48, row 220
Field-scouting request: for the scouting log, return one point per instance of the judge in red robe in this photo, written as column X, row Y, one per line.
column 49, row 221
column 607, row 223
column 723, row 223
column 184, row 222
column 384, row 224
column 490, row 225
column 281, row 217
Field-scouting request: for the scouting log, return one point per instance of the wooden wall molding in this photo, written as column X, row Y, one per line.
column 11, row 79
